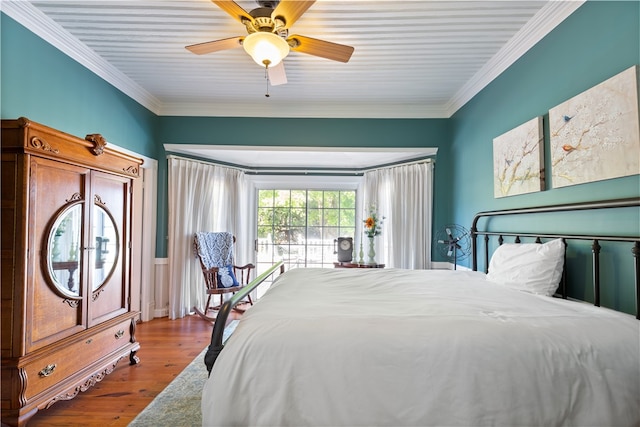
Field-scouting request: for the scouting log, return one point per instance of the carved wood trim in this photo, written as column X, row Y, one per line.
column 74, row 197
column 98, row 201
column 24, row 122
column 73, row 303
column 22, row 381
column 41, row 144
column 97, row 294
column 131, row 170
column 98, row 143
column 132, row 330
column 90, row 382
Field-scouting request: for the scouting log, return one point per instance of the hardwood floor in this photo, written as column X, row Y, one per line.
column 166, row 348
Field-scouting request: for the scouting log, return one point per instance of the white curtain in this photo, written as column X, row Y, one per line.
column 403, row 195
column 202, row 197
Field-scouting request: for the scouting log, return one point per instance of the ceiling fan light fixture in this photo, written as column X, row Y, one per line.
column 266, row 49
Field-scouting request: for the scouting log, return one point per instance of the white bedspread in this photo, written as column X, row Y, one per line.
column 356, row 347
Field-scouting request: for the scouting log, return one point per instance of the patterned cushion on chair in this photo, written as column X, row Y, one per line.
column 226, row 278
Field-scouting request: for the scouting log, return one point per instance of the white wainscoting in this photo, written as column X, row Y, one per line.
column 161, row 294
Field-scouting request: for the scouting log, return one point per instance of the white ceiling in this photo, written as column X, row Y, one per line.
column 412, row 59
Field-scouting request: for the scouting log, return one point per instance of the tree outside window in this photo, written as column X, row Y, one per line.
column 300, row 226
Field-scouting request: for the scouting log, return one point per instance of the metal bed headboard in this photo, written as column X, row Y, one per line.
column 595, row 239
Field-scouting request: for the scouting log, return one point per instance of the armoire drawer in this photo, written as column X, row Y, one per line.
column 51, row 368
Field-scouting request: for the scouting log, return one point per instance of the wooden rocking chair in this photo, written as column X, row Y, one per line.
column 216, row 264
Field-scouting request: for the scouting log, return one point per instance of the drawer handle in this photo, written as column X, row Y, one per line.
column 89, row 341
column 119, row 334
column 48, row 370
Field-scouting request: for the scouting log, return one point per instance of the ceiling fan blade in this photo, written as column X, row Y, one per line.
column 277, row 75
column 290, row 10
column 233, row 9
column 324, row 49
column 214, row 46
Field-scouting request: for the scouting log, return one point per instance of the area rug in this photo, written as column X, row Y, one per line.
column 178, row 405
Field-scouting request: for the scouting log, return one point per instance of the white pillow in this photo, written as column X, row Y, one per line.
column 530, row 267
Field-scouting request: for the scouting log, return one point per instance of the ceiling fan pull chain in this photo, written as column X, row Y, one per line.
column 266, row 77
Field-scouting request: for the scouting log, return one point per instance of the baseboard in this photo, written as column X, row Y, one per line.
column 440, row 265
column 148, row 313
column 161, row 312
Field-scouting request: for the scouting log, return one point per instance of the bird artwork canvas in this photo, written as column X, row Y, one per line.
column 518, row 165
column 596, row 135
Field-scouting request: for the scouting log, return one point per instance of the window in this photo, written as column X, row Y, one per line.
column 299, row 226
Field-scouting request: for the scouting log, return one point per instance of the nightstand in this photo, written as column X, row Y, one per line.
column 355, row 265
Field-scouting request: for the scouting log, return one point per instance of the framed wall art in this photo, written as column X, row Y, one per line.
column 518, row 165
column 596, row 135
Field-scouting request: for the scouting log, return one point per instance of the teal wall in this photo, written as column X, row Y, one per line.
column 48, row 87
column 596, row 42
column 316, row 133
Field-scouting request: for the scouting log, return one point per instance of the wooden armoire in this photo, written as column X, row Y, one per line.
column 66, row 262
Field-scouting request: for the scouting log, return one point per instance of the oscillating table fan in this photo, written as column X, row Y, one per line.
column 453, row 242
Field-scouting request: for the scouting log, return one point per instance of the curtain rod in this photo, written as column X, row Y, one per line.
column 412, row 162
column 207, row 162
column 302, row 171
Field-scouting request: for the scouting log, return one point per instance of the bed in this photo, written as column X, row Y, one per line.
column 391, row 347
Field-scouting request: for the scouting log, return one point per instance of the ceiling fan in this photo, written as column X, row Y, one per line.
column 268, row 41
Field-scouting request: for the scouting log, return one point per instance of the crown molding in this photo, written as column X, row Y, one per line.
column 38, row 23
column 548, row 18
